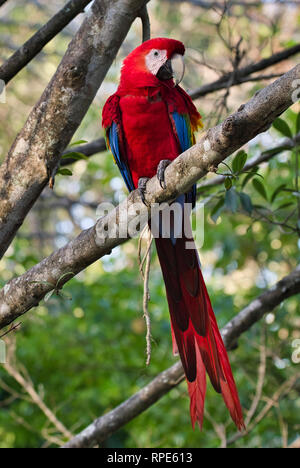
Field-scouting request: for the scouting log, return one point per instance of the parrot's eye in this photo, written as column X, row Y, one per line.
column 155, row 59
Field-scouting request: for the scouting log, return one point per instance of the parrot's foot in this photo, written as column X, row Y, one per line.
column 164, row 163
column 142, row 188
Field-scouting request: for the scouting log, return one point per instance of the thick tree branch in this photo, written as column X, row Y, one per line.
column 25, row 292
column 35, row 154
column 106, row 425
column 37, row 42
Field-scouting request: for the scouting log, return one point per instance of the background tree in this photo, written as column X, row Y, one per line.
column 71, row 361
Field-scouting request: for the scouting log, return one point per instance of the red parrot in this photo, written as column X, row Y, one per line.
column 149, row 121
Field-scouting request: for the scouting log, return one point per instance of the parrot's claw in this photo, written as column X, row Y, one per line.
column 164, row 163
column 142, row 188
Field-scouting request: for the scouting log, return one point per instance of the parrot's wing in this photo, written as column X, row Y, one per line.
column 112, row 123
column 185, row 124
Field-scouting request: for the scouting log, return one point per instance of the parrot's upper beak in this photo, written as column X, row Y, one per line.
column 178, row 67
column 172, row 68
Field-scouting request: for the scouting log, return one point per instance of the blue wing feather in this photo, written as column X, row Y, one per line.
column 113, row 138
column 184, row 134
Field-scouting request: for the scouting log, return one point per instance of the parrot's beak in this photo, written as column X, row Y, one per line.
column 178, row 67
column 172, row 68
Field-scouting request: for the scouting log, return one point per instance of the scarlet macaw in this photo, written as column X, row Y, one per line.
column 148, row 122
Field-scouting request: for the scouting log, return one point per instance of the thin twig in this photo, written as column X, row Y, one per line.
column 35, row 397
column 146, row 300
column 261, row 378
column 146, row 296
column 284, row 389
column 12, row 328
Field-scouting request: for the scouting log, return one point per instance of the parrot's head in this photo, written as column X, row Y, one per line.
column 154, row 61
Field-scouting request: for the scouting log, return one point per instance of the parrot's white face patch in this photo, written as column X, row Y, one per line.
column 155, row 59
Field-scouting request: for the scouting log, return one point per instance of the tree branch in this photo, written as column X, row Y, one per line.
column 287, row 144
column 220, row 5
column 206, row 5
column 106, row 425
column 35, row 154
column 21, row 294
column 145, row 24
column 88, row 149
column 37, row 42
column 236, row 77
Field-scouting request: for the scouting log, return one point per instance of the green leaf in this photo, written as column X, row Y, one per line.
column 239, row 161
column 259, row 187
column 228, row 167
column 231, row 200
column 259, row 207
column 49, row 295
column 248, row 177
column 79, row 142
column 298, row 123
column 282, row 127
column 284, row 205
column 246, row 202
column 65, row 172
column 216, row 211
column 74, row 155
column 277, row 191
column 228, row 183
column 69, row 275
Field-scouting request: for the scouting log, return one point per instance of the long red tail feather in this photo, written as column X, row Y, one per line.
column 194, row 329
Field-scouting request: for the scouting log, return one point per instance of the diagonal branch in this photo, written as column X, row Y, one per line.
column 21, row 294
column 236, row 77
column 37, row 42
column 287, row 144
column 35, row 154
column 207, row 5
column 105, row 426
column 88, row 149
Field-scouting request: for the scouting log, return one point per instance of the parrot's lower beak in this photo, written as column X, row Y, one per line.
column 172, row 68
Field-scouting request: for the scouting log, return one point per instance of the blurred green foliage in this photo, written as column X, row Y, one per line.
column 87, row 355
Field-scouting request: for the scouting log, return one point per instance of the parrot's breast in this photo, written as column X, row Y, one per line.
column 149, row 134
